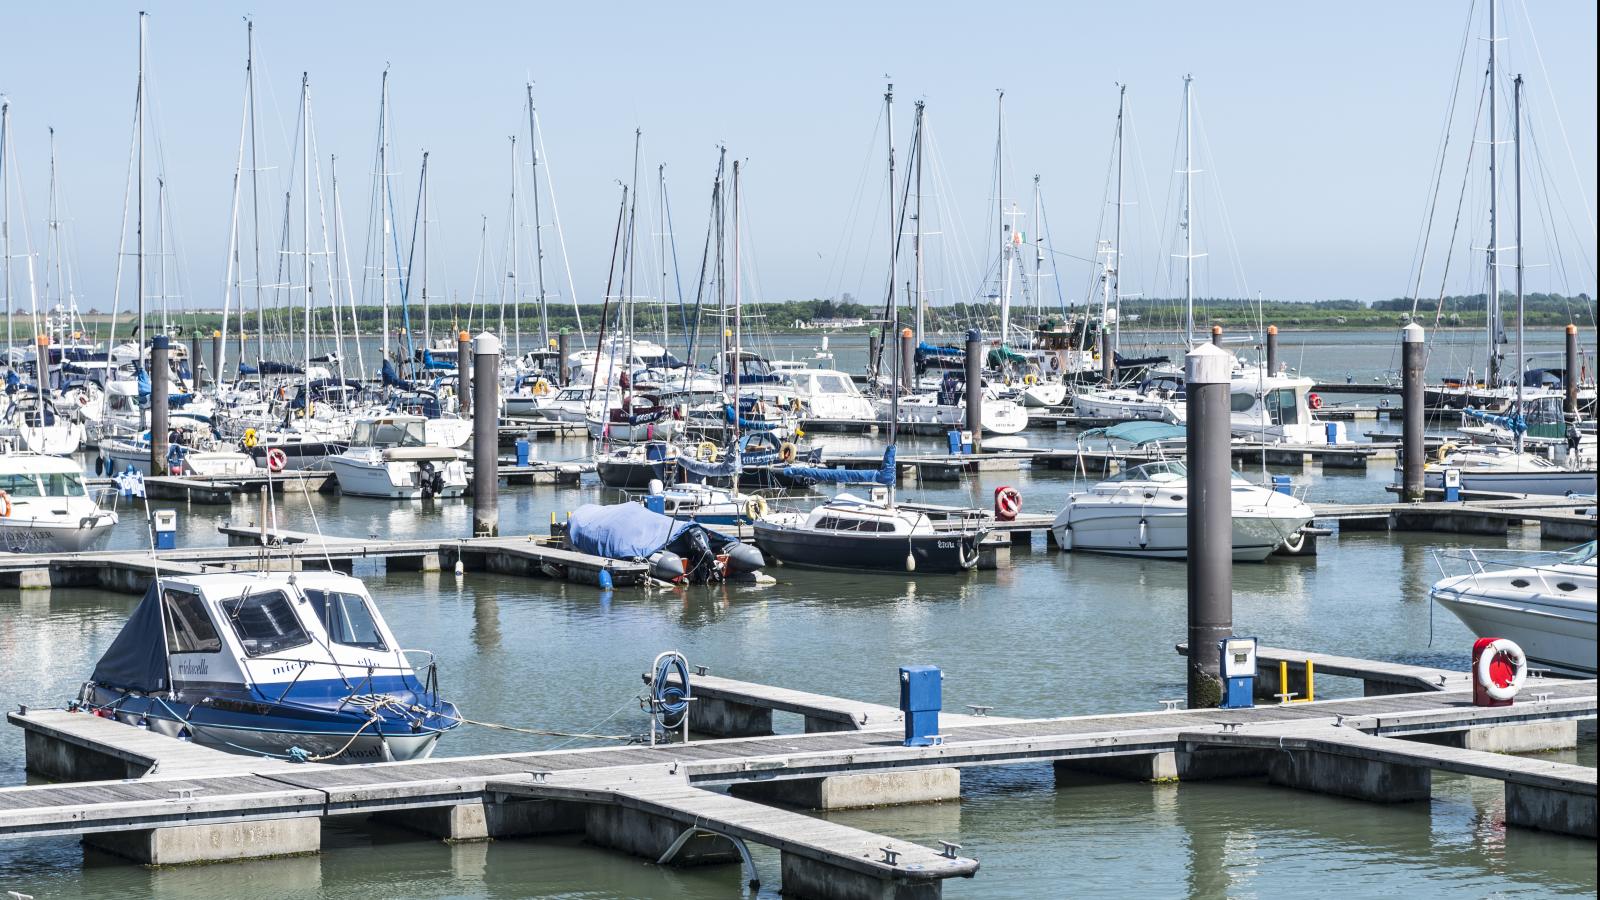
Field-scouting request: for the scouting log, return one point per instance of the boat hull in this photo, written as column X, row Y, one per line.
column 1165, row 535
column 35, row 536
column 947, row 553
column 1557, row 482
column 1553, row 637
column 379, row 482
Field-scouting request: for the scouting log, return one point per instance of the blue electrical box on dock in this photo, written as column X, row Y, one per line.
column 166, row 528
column 524, row 451
column 921, row 695
column 1238, row 672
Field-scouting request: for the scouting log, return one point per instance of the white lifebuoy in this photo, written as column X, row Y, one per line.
column 276, row 460
column 1007, row 503
column 1484, row 671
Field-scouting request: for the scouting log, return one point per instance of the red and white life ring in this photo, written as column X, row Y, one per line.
column 1501, row 669
column 1314, row 401
column 276, row 460
column 1007, row 503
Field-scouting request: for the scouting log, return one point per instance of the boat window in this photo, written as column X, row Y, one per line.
column 64, row 484
column 830, row 384
column 20, row 485
column 347, row 619
column 833, row 523
column 1241, row 402
column 1282, row 408
column 1582, row 554
column 266, row 623
column 1153, row 471
column 189, row 628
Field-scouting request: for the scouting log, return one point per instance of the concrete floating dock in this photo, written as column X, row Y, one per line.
column 1489, row 516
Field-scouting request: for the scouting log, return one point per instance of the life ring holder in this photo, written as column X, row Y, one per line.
column 1484, row 670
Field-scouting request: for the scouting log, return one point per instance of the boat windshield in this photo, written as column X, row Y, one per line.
column 347, row 618
column 266, row 623
column 832, row 384
column 1165, row 470
column 1583, row 555
column 55, row 484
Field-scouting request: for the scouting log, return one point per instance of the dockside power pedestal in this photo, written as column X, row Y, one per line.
column 1238, row 672
column 921, row 694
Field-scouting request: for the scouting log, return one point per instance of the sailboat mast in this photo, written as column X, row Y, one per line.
column 55, row 236
column 1116, row 233
column 255, row 203
column 427, row 313
column 305, row 229
column 894, row 242
column 1038, row 254
column 383, row 216
column 5, row 214
column 538, row 236
column 1522, row 319
column 738, row 330
column 1492, row 307
column 138, row 228
column 516, row 285
column 661, row 246
column 1188, row 225
column 916, row 150
column 1000, row 205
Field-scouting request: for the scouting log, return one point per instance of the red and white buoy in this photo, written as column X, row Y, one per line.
column 1499, row 667
column 1007, row 503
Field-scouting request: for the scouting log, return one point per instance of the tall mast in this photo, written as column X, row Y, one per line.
column 738, row 337
column 1522, row 319
column 1000, row 206
column 513, row 275
column 1492, row 307
column 1038, row 253
column 305, row 229
column 383, row 215
column 538, row 237
column 255, row 201
column 5, row 215
column 661, row 244
column 1188, row 195
column 894, row 242
column 916, row 151
column 138, row 228
column 427, row 315
column 1116, row 239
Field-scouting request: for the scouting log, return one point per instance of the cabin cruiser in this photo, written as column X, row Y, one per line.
column 947, row 408
column 45, row 507
column 1543, row 601
column 1156, row 399
column 1269, row 408
column 34, row 423
column 191, row 451
column 829, row 394
column 872, row 533
column 391, row 458
column 1496, row 468
column 572, row 404
column 297, row 666
column 1144, row 511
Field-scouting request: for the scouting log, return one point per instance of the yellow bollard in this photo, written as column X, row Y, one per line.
column 1311, row 681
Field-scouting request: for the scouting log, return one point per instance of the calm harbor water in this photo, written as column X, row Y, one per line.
column 1056, row 634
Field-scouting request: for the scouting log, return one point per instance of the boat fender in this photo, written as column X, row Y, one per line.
column 1144, row 533
column 787, row 452
column 604, row 579
column 756, row 508
column 99, row 465
column 5, row 505
column 1007, row 503
column 668, row 566
column 911, row 561
column 1064, row 538
column 276, row 460
column 742, row 557
column 1492, row 678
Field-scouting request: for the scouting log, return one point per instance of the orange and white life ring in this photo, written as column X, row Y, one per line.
column 787, row 452
column 1007, row 503
column 1494, row 679
column 276, row 459
column 1314, row 401
column 5, row 505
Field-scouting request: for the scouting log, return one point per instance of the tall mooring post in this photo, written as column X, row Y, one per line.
column 1413, row 360
column 1108, row 356
column 1570, row 380
column 974, row 391
column 874, row 347
column 41, row 370
column 216, row 356
column 486, row 436
column 908, row 360
column 1272, row 349
column 1208, row 371
column 563, row 348
column 196, row 377
column 1216, row 335
column 159, row 394
column 464, row 371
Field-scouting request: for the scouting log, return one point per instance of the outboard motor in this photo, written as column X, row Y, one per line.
column 429, row 479
column 702, row 562
column 742, row 557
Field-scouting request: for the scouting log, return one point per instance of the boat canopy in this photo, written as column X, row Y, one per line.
column 818, row 475
column 137, row 658
column 1139, row 434
column 623, row 530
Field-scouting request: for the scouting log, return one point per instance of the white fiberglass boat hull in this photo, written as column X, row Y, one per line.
column 1165, row 534
column 1554, row 628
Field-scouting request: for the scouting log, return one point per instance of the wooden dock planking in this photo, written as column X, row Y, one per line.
column 857, row 714
column 1422, row 678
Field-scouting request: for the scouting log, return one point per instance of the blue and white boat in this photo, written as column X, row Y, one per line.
column 296, row 666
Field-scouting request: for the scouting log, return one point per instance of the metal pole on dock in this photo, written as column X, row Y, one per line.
column 486, row 436
column 158, row 404
column 1208, row 373
column 1570, row 379
column 1413, row 453
column 1272, row 349
column 196, row 379
column 562, row 349
column 464, row 371
column 1108, row 356
column 1216, row 335
column 41, row 369
column 974, row 390
column 908, row 360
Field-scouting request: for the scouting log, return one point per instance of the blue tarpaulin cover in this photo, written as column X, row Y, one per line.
column 391, row 378
column 622, row 531
column 818, row 475
column 137, row 659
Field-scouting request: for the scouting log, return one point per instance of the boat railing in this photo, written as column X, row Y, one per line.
column 426, row 666
column 1481, row 562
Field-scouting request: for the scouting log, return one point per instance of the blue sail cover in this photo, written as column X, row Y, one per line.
column 1516, row 423
column 927, row 349
column 429, row 361
column 247, row 369
column 268, row 367
column 391, row 378
column 817, row 475
column 725, row 467
column 622, row 531
column 746, row 424
column 137, row 659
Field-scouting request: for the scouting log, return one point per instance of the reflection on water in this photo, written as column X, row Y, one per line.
column 1056, row 634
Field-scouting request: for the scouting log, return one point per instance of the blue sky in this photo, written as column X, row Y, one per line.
column 1321, row 126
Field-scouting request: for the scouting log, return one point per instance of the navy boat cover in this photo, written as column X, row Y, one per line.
column 137, row 659
column 623, row 530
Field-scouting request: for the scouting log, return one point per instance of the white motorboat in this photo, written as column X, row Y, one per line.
column 947, row 408
column 1042, row 393
column 829, row 394
column 297, row 666
column 572, row 404
column 1156, row 399
column 391, row 458
column 1543, row 601
column 1491, row 467
column 45, row 507
column 1144, row 512
column 35, row 424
